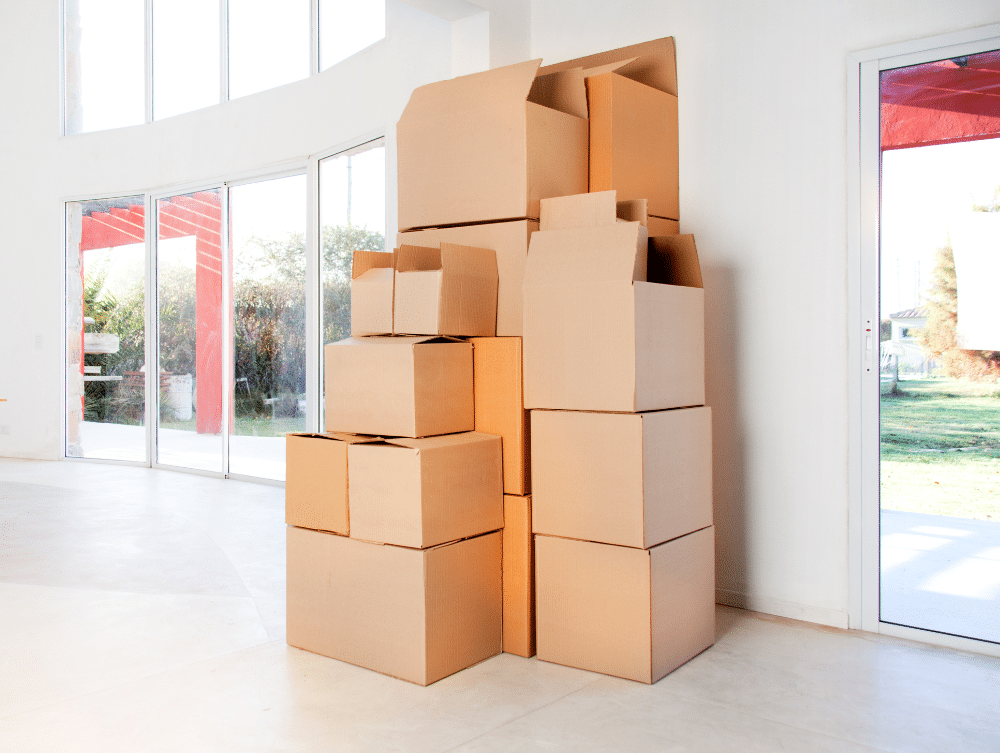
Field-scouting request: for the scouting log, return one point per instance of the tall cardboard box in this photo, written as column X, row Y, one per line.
column 445, row 290
column 399, row 386
column 499, row 396
column 490, row 145
column 415, row 614
column 630, row 479
column 518, row 577
column 424, row 492
column 317, row 480
column 509, row 240
column 632, row 613
column 371, row 293
column 612, row 321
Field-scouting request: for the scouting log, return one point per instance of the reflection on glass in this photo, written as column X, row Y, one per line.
column 185, row 56
column 268, row 44
column 267, row 243
column 352, row 217
column 346, row 27
column 105, row 320
column 105, row 63
column 189, row 298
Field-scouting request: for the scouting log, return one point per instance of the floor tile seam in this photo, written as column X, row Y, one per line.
column 127, row 592
column 522, row 715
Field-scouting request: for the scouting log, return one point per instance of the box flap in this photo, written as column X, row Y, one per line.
column 445, row 440
column 581, row 210
column 469, row 260
column 673, row 260
column 615, row 252
column 564, row 91
column 652, row 63
column 418, row 258
column 608, row 68
column 633, row 210
column 364, row 261
column 338, row 436
column 398, row 340
column 496, row 88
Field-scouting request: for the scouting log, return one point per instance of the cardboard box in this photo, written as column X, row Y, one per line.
column 499, row 397
column 632, row 613
column 490, row 145
column 611, row 322
column 510, row 242
column 424, row 492
column 518, row 577
column 415, row 614
column 447, row 290
column 399, row 386
column 631, row 479
column 637, row 210
column 371, row 293
column 316, row 480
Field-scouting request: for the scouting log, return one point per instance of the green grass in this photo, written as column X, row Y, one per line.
column 250, row 426
column 940, row 442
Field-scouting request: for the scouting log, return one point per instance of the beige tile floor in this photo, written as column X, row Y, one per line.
column 143, row 611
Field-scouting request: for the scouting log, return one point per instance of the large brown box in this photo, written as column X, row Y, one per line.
column 316, row 480
column 510, row 242
column 416, row 614
column 499, row 396
column 632, row 613
column 399, row 386
column 518, row 577
column 630, row 479
column 612, row 322
column 424, row 492
column 490, row 145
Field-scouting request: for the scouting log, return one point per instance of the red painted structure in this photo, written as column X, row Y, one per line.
column 200, row 215
column 944, row 102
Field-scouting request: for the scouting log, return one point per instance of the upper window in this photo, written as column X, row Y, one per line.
column 131, row 61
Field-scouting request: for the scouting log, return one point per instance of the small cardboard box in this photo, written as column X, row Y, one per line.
column 632, row 613
column 499, row 396
column 371, row 293
column 448, row 290
column 518, row 577
column 424, row 492
column 316, row 480
column 612, row 322
column 399, row 386
column 510, row 242
column 490, row 145
column 631, row 479
column 415, row 614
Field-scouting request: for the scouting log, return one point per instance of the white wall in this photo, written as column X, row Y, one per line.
column 763, row 177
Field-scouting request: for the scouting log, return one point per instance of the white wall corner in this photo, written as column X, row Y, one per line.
column 768, row 605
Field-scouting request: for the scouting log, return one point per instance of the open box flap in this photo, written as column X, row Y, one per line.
column 469, row 260
column 338, row 436
column 607, row 68
column 564, row 91
column 652, row 63
column 447, row 440
column 418, row 259
column 608, row 253
column 365, row 261
column 496, row 88
column 673, row 260
column 581, row 210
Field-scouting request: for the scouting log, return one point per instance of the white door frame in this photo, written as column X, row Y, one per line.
column 863, row 160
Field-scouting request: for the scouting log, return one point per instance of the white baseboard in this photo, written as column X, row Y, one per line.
column 821, row 615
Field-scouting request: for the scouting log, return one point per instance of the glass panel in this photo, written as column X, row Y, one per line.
column 268, row 44
column 940, row 348
column 348, row 27
column 189, row 299
column 267, row 242
column 185, row 56
column 105, row 321
column 352, row 217
column 105, row 64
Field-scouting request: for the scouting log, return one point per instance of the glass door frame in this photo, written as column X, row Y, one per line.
column 863, row 210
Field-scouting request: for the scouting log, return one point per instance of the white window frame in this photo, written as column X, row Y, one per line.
column 863, row 160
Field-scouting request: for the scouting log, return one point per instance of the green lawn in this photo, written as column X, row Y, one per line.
column 250, row 426
column 941, row 448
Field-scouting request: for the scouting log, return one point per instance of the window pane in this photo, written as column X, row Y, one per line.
column 105, row 64
column 268, row 44
column 347, row 27
column 352, row 217
column 185, row 56
column 268, row 253
column 105, row 321
column 189, row 299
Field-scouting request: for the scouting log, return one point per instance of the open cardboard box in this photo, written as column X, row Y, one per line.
column 399, row 386
column 415, row 614
column 509, row 240
column 446, row 290
column 630, row 479
column 317, row 480
column 632, row 613
column 490, row 145
column 424, row 492
column 613, row 321
column 371, row 293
